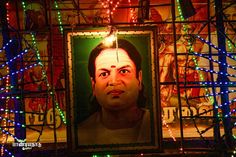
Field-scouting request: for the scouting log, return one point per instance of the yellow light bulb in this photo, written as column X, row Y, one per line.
column 108, row 41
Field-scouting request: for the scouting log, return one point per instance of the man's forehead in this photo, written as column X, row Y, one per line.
column 108, row 65
column 113, row 53
column 113, row 58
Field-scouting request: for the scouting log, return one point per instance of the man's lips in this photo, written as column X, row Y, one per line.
column 115, row 92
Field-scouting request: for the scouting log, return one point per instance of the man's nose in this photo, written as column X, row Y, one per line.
column 114, row 79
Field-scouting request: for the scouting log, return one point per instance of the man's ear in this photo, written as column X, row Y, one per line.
column 140, row 78
column 93, row 84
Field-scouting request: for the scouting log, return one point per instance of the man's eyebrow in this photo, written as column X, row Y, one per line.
column 125, row 66
column 103, row 69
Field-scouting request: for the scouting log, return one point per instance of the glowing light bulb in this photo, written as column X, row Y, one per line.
column 108, row 41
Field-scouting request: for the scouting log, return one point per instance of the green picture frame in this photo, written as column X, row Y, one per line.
column 79, row 44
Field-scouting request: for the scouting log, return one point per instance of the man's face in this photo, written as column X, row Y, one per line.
column 230, row 13
column 116, row 86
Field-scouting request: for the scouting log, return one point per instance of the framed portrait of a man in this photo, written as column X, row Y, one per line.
column 113, row 96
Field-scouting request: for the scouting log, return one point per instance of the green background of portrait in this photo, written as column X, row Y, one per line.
column 81, row 48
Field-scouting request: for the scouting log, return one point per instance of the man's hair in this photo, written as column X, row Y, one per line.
column 133, row 55
column 122, row 43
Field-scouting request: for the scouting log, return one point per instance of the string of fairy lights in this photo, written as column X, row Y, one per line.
column 230, row 45
column 220, row 73
column 5, row 151
column 191, row 50
column 4, row 136
column 110, row 6
column 44, row 74
column 5, row 92
column 6, row 95
column 4, row 119
column 211, row 71
column 59, row 18
column 131, row 10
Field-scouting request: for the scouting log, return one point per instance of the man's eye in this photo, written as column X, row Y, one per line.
column 104, row 74
column 123, row 71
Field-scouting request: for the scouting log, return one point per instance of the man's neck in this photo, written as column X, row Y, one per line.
column 126, row 118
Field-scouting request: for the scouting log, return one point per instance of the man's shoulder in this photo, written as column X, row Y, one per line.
column 146, row 112
column 89, row 122
column 146, row 116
